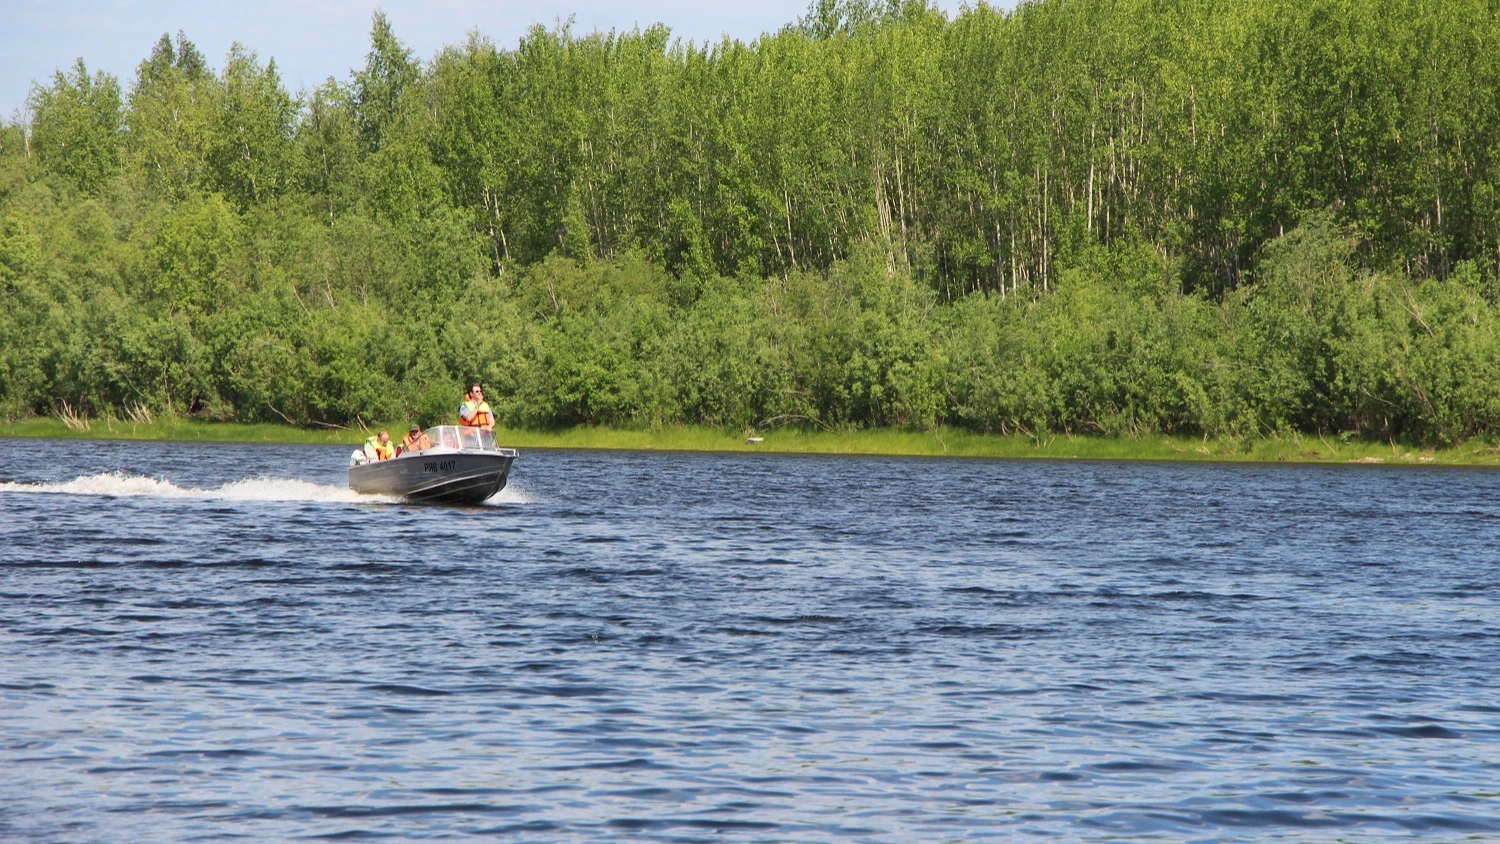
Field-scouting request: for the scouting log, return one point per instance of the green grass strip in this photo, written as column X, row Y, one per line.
column 943, row 442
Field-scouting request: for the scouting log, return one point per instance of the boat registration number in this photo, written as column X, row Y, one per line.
column 440, row 466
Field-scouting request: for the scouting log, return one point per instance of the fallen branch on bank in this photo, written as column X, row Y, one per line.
column 289, row 420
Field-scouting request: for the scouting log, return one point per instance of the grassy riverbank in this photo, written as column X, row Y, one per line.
column 941, row 442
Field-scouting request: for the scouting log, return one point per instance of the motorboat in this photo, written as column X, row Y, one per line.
column 461, row 465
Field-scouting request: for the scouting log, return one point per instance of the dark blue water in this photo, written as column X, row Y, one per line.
column 203, row 642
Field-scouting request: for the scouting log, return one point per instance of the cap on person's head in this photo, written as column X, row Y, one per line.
column 413, row 429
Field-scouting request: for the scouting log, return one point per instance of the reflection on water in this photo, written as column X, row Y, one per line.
column 202, row 641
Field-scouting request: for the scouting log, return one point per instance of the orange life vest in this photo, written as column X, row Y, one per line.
column 482, row 418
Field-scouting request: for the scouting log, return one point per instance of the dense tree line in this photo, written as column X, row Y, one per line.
column 1121, row 216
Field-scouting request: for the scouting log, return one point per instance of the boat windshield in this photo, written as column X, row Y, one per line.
column 470, row 437
column 443, row 436
column 461, row 438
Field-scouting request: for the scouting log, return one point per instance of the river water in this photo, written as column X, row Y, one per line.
column 203, row 642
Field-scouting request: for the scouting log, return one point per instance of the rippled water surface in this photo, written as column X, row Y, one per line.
column 220, row 641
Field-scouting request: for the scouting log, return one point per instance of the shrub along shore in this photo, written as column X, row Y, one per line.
column 941, row 442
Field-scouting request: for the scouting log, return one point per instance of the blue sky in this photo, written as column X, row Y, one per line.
column 314, row 39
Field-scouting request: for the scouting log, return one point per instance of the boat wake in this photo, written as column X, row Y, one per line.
column 252, row 489
column 512, row 494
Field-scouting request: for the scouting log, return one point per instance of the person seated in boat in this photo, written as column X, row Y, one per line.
column 475, row 411
column 415, row 440
column 379, row 447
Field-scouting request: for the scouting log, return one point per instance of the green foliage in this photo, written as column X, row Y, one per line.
column 20, row 250
column 171, row 118
column 251, row 154
column 1103, row 216
column 388, row 72
column 75, row 130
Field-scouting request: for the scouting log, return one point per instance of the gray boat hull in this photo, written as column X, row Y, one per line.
column 453, row 478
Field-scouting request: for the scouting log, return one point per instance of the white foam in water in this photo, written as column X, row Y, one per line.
column 512, row 494
column 253, row 489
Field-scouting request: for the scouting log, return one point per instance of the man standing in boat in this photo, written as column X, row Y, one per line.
column 475, row 411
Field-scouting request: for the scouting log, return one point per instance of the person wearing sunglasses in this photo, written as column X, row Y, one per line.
column 475, row 411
